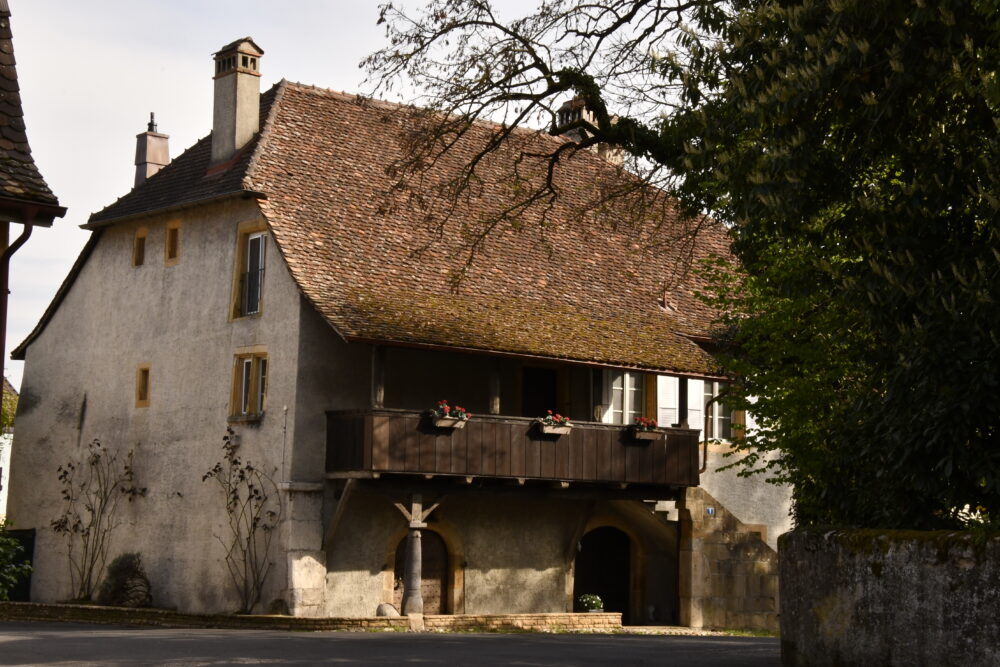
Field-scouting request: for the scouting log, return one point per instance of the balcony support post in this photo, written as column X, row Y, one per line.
column 378, row 376
column 495, row 388
column 413, row 601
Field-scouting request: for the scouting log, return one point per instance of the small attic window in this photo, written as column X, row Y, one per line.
column 246, row 61
column 253, row 64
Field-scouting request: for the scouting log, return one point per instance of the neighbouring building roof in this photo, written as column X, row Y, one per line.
column 24, row 195
column 581, row 288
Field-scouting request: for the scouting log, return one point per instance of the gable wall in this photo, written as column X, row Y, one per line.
column 79, row 384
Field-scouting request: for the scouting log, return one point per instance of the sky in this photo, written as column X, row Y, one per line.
column 91, row 72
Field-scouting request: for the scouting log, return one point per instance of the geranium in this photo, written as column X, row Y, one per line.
column 452, row 412
column 644, row 424
column 554, row 419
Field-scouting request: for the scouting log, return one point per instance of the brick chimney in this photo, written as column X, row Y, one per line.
column 151, row 152
column 236, row 116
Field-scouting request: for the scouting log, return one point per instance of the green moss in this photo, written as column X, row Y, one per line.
column 879, row 541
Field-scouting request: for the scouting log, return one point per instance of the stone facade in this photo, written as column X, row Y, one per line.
column 868, row 597
column 733, row 573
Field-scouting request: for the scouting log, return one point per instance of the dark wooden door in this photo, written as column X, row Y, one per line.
column 603, row 567
column 434, row 588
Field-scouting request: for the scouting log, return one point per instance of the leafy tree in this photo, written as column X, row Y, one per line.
column 9, row 407
column 849, row 146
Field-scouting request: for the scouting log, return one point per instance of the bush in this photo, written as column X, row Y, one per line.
column 11, row 569
column 126, row 584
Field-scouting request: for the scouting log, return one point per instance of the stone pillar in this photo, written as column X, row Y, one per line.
column 413, row 601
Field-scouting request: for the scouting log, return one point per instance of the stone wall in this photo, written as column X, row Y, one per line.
column 869, row 597
column 729, row 575
column 31, row 611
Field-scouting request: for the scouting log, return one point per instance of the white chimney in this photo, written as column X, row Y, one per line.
column 152, row 152
column 236, row 116
column 575, row 110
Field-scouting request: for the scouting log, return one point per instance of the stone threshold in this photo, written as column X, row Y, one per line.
column 78, row 613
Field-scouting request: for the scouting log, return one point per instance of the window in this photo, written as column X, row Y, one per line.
column 139, row 247
column 249, row 385
column 172, row 244
column 248, row 282
column 722, row 422
column 624, row 396
column 142, row 386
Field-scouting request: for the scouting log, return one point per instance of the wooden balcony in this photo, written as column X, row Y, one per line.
column 371, row 442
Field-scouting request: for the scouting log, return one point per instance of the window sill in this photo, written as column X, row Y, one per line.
column 245, row 419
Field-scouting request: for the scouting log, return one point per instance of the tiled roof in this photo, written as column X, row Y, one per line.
column 20, row 179
column 581, row 290
column 186, row 180
column 582, row 287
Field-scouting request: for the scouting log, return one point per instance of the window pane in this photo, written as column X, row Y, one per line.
column 139, row 251
column 634, row 398
column 261, row 384
column 245, row 389
column 617, row 397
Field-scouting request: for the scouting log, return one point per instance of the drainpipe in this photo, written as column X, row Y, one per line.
column 704, row 432
column 4, row 273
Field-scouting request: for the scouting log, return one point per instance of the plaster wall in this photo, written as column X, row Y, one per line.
column 80, row 384
column 508, row 552
column 752, row 500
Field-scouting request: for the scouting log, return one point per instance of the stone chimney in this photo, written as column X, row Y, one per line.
column 151, row 152
column 574, row 110
column 236, row 116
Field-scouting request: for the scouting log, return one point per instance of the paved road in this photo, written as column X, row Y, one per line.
column 76, row 644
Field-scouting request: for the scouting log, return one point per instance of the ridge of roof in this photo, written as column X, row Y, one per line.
column 187, row 180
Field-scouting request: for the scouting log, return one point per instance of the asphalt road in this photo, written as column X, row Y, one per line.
column 75, row 644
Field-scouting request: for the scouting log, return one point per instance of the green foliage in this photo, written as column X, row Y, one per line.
column 8, row 410
column 126, row 583
column 851, row 148
column 11, row 569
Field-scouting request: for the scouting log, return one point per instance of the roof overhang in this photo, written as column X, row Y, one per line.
column 238, row 194
column 29, row 212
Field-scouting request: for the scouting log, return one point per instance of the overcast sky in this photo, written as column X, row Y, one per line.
column 90, row 73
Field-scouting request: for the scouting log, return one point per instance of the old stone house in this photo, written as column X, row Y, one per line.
column 260, row 281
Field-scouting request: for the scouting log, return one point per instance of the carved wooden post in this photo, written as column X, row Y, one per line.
column 413, row 600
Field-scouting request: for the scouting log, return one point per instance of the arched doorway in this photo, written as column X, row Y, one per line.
column 434, row 578
column 603, row 566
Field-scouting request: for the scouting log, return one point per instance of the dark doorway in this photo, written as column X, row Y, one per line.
column 603, row 566
column 539, row 391
column 434, row 578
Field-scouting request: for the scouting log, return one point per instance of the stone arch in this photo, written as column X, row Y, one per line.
column 454, row 600
column 636, row 561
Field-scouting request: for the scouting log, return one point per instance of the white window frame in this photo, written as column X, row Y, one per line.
column 632, row 387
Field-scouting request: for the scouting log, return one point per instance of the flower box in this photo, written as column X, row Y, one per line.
column 449, row 422
column 551, row 429
column 638, row 434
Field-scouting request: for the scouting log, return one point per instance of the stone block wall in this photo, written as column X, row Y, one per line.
column 865, row 597
column 729, row 575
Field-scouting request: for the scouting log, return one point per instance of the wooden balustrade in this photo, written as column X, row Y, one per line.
column 405, row 441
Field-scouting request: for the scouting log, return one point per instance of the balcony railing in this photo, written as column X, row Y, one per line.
column 404, row 441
